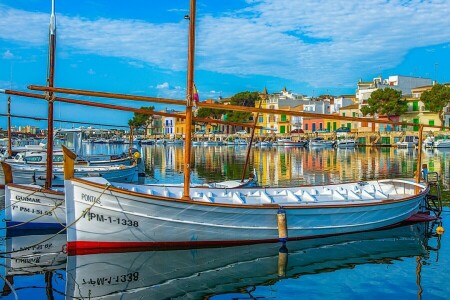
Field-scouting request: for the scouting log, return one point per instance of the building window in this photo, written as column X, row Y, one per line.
column 415, row 105
column 283, row 118
column 261, row 119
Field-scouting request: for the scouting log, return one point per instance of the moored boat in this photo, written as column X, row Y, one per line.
column 346, row 143
column 104, row 216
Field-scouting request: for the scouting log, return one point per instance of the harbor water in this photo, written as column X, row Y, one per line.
column 406, row 262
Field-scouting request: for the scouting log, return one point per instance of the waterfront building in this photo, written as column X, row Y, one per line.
column 280, row 100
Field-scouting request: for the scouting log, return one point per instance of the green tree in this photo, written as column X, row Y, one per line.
column 436, row 99
column 242, row 99
column 204, row 112
column 140, row 120
column 387, row 102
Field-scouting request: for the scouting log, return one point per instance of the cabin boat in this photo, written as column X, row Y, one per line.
column 321, row 143
column 346, row 143
column 442, row 142
column 288, row 142
column 408, row 141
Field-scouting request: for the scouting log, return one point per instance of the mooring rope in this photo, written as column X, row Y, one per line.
column 83, row 214
column 18, row 201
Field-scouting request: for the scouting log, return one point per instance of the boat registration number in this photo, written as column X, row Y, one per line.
column 90, row 216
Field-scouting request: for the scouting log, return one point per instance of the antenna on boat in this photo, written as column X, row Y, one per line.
column 189, row 99
column 50, row 96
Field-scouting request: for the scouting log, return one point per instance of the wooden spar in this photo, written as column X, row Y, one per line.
column 189, row 100
column 124, row 108
column 107, row 95
column 234, row 107
column 9, row 127
column 419, row 159
column 249, row 147
column 62, row 121
column 51, row 78
column 69, row 163
column 7, row 173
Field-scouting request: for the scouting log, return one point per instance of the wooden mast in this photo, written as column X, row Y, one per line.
column 419, row 159
column 249, row 147
column 9, row 127
column 189, row 99
column 51, row 76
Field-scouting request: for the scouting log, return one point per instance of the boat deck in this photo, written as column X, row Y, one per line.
column 371, row 191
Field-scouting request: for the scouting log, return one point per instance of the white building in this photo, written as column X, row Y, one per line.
column 397, row 82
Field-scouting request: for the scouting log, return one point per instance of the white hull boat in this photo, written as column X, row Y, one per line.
column 103, row 216
column 29, row 174
column 346, row 143
column 321, row 143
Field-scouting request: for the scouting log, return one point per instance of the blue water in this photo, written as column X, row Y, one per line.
column 409, row 262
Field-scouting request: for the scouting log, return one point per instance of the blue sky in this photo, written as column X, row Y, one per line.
column 140, row 47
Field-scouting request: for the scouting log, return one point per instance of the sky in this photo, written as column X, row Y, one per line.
column 139, row 47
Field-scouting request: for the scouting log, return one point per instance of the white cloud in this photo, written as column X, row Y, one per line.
column 164, row 85
column 91, row 72
column 7, row 55
column 320, row 42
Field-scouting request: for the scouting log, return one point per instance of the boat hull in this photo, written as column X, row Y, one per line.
column 33, row 208
column 117, row 218
column 24, row 174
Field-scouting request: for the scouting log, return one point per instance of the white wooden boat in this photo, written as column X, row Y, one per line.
column 288, row 142
column 202, row 273
column 263, row 144
column 29, row 174
column 346, row 143
column 127, row 215
column 321, row 143
column 442, row 143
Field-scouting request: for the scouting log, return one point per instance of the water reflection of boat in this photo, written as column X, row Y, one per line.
column 197, row 273
column 39, row 256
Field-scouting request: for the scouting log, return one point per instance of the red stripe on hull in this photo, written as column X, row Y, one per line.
column 85, row 247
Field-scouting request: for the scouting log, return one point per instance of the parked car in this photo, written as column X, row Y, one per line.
column 343, row 129
column 199, row 132
column 241, row 132
column 297, row 131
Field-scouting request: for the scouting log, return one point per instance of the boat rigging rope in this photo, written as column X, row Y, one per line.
column 83, row 214
column 33, row 219
column 18, row 201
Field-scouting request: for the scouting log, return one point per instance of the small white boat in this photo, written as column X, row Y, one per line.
column 442, row 142
column 346, row 143
column 127, row 215
column 213, row 143
column 263, row 144
column 288, row 142
column 408, row 141
column 237, row 142
column 321, row 143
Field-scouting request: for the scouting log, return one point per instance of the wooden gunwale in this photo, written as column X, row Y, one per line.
column 244, row 206
column 35, row 189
